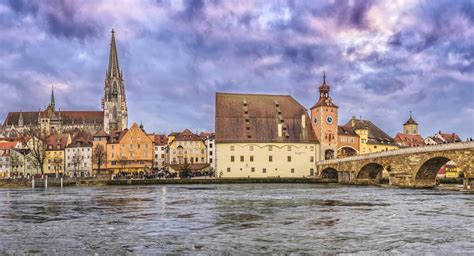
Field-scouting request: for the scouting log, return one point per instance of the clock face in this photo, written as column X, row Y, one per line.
column 315, row 120
column 329, row 119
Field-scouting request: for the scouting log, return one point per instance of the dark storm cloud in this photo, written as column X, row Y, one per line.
column 176, row 55
column 61, row 17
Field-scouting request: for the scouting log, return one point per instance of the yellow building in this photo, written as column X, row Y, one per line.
column 129, row 151
column 371, row 138
column 186, row 148
column 263, row 136
column 54, row 162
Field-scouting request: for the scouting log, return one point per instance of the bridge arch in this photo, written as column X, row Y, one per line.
column 429, row 169
column 329, row 173
column 346, row 151
column 371, row 171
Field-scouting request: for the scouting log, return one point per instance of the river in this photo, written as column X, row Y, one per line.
column 237, row 218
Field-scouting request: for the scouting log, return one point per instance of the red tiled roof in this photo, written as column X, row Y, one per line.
column 57, row 141
column 187, row 135
column 409, row 140
column 160, row 139
column 9, row 144
column 450, row 137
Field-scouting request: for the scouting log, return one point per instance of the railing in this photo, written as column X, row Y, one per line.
column 395, row 152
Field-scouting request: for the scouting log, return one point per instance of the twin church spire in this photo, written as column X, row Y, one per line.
column 114, row 103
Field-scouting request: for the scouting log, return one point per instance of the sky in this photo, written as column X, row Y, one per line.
column 383, row 58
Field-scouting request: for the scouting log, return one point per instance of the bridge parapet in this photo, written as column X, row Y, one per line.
column 432, row 148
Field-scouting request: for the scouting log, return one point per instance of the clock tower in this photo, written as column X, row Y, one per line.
column 324, row 120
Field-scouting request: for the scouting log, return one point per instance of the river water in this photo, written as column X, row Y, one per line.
column 240, row 219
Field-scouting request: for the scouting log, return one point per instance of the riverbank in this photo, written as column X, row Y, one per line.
column 451, row 184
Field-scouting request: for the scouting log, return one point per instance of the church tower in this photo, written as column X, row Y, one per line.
column 410, row 126
column 114, row 103
column 324, row 118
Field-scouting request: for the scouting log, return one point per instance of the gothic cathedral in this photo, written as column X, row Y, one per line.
column 114, row 103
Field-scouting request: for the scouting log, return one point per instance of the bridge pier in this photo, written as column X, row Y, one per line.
column 468, row 182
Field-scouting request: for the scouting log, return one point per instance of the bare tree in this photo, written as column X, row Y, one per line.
column 77, row 160
column 98, row 156
column 15, row 160
column 37, row 146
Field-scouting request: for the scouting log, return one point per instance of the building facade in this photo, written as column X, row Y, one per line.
column 129, row 151
column 78, row 156
column 263, row 136
column 160, row 148
column 55, row 158
column 186, row 148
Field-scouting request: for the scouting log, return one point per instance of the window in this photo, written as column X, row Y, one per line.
column 289, row 158
column 251, row 158
column 228, row 169
column 311, row 159
column 210, row 145
column 251, row 148
column 138, row 146
column 210, row 153
column 241, row 158
column 232, row 148
column 232, row 158
column 270, row 148
column 210, row 161
column 289, row 148
column 270, row 158
column 264, row 170
column 252, row 169
column 292, row 170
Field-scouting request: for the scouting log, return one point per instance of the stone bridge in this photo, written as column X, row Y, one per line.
column 408, row 167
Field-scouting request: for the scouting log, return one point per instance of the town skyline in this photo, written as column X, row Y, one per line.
column 178, row 91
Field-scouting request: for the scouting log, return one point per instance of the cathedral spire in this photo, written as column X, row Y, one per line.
column 114, row 68
column 52, row 103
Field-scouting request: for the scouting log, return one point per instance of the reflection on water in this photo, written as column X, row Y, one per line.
column 245, row 218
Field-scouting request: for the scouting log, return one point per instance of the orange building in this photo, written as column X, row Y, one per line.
column 130, row 150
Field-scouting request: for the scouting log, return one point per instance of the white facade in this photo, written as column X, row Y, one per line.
column 5, row 165
column 211, row 151
column 159, row 157
column 78, row 161
column 261, row 160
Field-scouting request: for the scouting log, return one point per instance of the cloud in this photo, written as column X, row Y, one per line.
column 382, row 58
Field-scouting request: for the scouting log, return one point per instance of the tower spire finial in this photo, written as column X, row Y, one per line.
column 114, row 68
column 324, row 77
column 410, row 113
column 52, row 103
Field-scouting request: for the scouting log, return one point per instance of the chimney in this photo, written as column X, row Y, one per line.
column 280, row 130
column 303, row 121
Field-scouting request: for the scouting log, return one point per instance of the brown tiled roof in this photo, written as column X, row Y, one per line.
column 410, row 121
column 68, row 117
column 101, row 133
column 205, row 135
column 160, row 139
column 409, row 140
column 376, row 135
column 187, row 135
column 346, row 130
column 81, row 139
column 450, row 137
column 255, row 118
column 325, row 102
column 57, row 141
column 116, row 136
